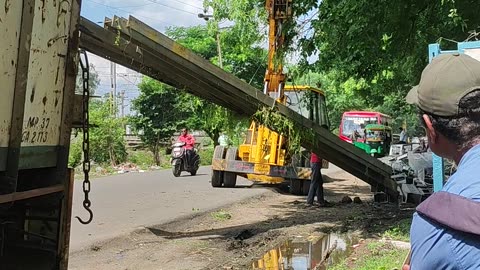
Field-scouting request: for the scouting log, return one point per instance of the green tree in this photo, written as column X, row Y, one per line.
column 244, row 63
column 93, row 80
column 245, row 60
column 213, row 119
column 371, row 53
column 106, row 134
column 159, row 114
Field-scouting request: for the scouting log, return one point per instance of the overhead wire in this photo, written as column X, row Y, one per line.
column 187, row 4
column 129, row 12
column 182, row 10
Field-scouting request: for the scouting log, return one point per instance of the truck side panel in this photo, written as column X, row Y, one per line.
column 11, row 17
column 38, row 74
column 45, row 86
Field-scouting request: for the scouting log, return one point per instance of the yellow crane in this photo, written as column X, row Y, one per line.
column 263, row 156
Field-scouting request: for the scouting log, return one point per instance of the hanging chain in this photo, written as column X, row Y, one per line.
column 86, row 140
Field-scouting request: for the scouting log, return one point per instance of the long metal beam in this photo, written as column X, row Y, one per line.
column 139, row 47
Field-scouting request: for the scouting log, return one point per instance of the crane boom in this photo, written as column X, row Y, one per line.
column 279, row 11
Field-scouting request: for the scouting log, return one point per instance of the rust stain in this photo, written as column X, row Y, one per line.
column 44, row 100
column 58, row 72
column 43, row 10
column 35, row 50
column 7, row 6
column 53, row 40
column 32, row 96
column 62, row 12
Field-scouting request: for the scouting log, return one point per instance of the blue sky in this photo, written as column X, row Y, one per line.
column 156, row 13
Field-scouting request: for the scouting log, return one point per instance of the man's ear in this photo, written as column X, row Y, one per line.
column 432, row 135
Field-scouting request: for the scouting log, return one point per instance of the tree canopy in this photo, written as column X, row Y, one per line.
column 367, row 54
column 159, row 114
column 371, row 53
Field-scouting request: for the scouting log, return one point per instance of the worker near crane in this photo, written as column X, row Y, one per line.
column 316, row 184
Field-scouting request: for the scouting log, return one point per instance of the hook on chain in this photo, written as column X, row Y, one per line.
column 86, row 205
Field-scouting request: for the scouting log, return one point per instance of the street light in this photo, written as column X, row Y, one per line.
column 206, row 17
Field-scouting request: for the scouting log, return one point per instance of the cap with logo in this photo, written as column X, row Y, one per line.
column 444, row 82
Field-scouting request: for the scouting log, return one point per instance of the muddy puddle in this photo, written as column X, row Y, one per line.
column 313, row 253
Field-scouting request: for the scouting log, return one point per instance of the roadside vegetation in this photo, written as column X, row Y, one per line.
column 399, row 232
column 221, row 215
column 374, row 256
column 379, row 254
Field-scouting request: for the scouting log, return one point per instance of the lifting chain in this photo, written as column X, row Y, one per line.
column 86, row 140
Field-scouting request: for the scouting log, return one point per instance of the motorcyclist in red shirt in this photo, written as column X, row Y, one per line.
column 189, row 141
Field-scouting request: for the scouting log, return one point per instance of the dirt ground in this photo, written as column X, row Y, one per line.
column 254, row 227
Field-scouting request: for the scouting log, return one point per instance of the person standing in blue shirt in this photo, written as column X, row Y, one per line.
column 445, row 231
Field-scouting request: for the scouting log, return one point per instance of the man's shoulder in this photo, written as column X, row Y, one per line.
column 465, row 182
column 435, row 246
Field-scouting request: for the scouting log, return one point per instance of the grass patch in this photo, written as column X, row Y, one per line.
column 374, row 256
column 400, row 232
column 141, row 158
column 221, row 215
column 206, row 155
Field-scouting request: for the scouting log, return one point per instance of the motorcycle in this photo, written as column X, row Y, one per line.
column 180, row 162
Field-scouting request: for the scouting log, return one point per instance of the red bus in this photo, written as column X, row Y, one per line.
column 352, row 120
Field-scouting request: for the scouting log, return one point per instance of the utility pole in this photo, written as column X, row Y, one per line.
column 113, row 92
column 219, row 47
column 122, row 101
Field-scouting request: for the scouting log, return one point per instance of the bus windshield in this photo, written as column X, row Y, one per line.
column 352, row 123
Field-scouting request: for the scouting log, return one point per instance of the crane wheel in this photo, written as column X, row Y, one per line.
column 230, row 178
column 217, row 176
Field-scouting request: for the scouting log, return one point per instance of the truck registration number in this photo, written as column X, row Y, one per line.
column 261, row 169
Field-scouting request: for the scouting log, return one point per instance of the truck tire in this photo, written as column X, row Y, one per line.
column 217, row 176
column 296, row 186
column 230, row 178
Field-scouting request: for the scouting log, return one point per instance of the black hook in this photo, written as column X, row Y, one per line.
column 86, row 205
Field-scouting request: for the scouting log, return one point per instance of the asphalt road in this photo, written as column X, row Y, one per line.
column 123, row 203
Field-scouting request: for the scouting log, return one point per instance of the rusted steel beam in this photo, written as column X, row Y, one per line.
column 106, row 44
column 177, row 56
column 128, row 41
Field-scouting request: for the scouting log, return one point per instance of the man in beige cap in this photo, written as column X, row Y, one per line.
column 445, row 232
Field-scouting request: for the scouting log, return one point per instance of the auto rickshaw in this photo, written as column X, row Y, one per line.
column 377, row 140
